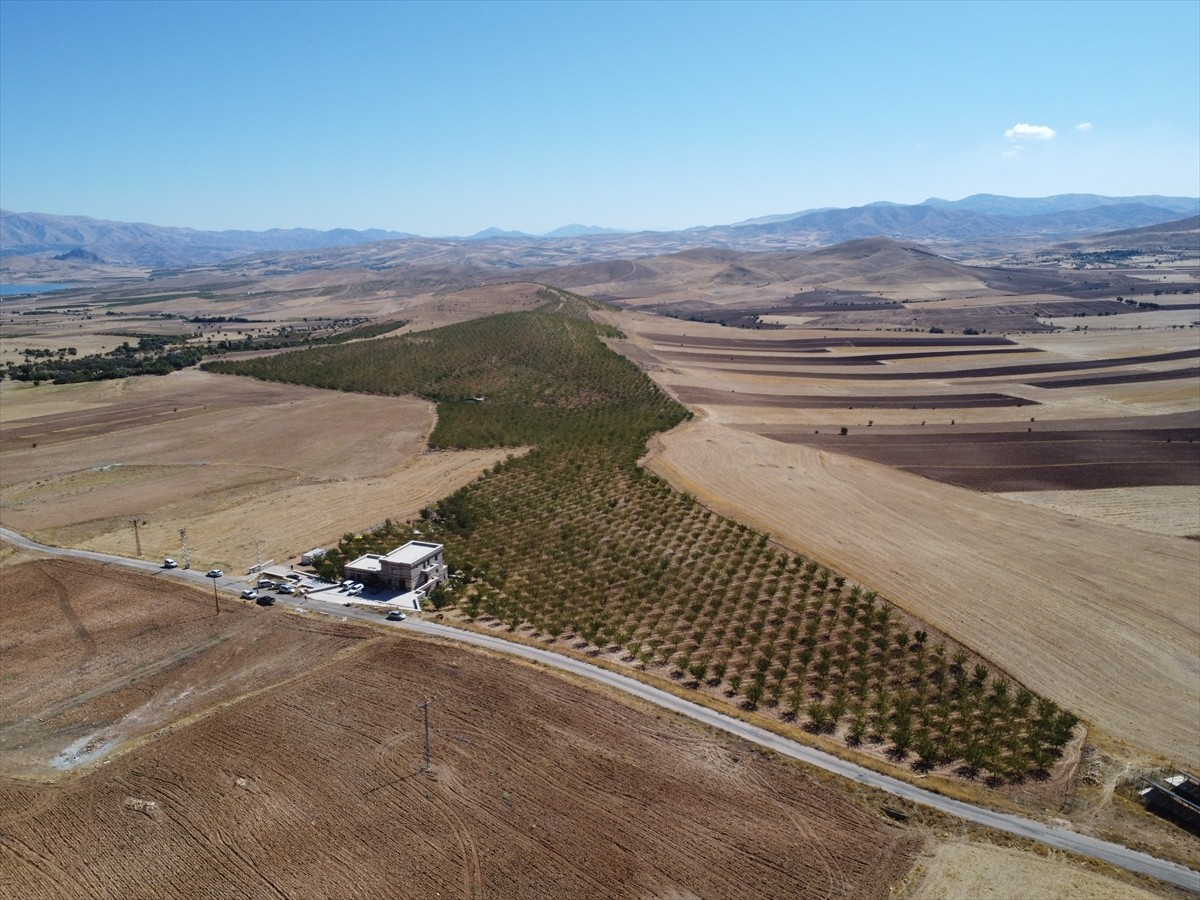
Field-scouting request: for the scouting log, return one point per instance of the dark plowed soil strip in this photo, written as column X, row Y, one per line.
column 825, row 342
column 1188, row 421
column 824, row 401
column 999, row 371
column 1029, row 461
column 1120, row 378
column 763, row 360
column 871, row 359
column 1059, row 478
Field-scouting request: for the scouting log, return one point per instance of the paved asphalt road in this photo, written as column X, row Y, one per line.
column 1060, row 838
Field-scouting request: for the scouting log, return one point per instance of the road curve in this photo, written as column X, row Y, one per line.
column 1059, row 838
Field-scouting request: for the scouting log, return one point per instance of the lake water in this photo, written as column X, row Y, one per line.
column 16, row 290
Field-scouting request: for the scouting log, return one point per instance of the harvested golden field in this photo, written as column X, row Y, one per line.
column 230, row 459
column 436, row 310
column 958, row 869
column 305, row 778
column 1103, row 619
column 1171, row 511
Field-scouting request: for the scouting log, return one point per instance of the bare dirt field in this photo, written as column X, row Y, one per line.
column 1165, row 450
column 229, row 459
column 1103, row 619
column 296, row 769
column 957, row 869
column 97, row 658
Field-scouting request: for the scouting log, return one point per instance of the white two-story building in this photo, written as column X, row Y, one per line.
column 417, row 566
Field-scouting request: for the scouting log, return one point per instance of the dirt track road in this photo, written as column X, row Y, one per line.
column 1059, row 838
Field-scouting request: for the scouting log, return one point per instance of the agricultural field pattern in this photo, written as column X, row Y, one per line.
column 943, row 519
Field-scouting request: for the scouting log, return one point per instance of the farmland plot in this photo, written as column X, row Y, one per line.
column 231, row 460
column 574, row 541
column 1110, row 634
column 313, row 785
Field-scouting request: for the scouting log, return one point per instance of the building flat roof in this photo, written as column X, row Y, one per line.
column 368, row 563
column 412, row 552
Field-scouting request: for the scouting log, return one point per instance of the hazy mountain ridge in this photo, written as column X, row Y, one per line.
column 164, row 245
column 1191, row 223
column 997, row 205
column 961, row 226
column 943, row 223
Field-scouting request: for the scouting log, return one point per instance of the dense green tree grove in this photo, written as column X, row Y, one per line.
column 152, row 355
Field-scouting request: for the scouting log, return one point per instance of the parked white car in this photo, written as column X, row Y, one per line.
column 169, row 563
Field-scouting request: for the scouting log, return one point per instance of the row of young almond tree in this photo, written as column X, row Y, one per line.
column 576, row 541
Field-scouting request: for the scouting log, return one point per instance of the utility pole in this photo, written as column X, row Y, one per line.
column 258, row 556
column 137, row 538
column 184, row 547
column 425, row 706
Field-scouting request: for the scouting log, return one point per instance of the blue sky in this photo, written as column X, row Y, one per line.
column 446, row 118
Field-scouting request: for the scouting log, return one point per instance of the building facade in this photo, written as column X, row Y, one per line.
column 416, row 566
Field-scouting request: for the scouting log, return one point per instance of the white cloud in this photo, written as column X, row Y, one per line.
column 1013, row 151
column 1084, row 126
column 1032, row 132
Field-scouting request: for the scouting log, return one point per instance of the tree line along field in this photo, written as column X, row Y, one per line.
column 161, row 354
column 577, row 541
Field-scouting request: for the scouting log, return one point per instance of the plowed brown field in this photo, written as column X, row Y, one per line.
column 311, row 784
column 97, row 657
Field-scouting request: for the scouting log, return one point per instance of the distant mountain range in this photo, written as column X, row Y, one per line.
column 157, row 245
column 942, row 222
column 979, row 221
column 564, row 231
column 996, row 205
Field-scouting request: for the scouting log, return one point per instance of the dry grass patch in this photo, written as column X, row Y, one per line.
column 435, row 310
column 957, row 869
column 1173, row 511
